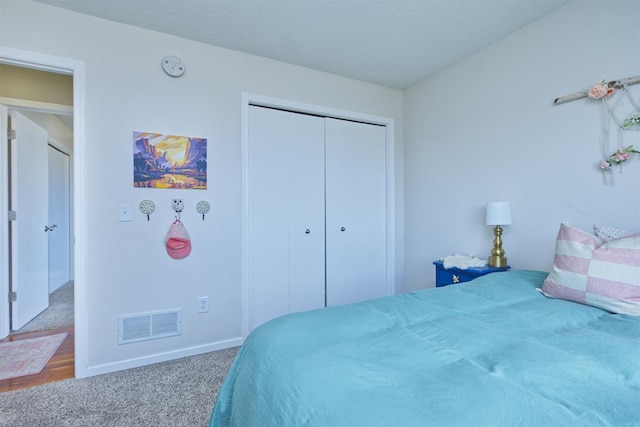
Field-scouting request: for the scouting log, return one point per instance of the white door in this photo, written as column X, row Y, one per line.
column 29, row 199
column 355, row 211
column 285, row 209
column 59, row 214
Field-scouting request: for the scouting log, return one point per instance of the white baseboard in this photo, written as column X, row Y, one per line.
column 161, row 357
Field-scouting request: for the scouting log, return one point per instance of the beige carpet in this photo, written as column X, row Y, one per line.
column 27, row 357
column 178, row 393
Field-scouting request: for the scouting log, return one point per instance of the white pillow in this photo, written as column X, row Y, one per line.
column 610, row 233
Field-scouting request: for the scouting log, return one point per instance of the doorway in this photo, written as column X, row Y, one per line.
column 39, row 232
column 35, row 61
column 41, row 289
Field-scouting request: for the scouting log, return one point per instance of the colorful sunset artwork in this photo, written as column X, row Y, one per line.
column 169, row 161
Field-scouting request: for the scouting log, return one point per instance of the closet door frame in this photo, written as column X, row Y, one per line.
column 296, row 107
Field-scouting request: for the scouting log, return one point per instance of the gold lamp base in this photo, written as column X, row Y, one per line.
column 497, row 258
column 497, row 261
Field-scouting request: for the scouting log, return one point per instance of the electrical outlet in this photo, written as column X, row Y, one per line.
column 203, row 304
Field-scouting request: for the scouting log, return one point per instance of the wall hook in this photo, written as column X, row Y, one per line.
column 178, row 206
column 203, row 208
column 147, row 207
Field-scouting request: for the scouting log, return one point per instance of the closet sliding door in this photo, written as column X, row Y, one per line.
column 317, row 213
column 286, row 239
column 356, row 218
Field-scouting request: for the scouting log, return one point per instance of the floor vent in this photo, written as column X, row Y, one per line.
column 149, row 326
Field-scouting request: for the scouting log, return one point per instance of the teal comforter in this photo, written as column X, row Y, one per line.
column 491, row 352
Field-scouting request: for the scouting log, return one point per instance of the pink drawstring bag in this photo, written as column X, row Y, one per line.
column 177, row 242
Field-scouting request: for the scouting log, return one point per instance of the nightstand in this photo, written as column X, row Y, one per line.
column 451, row 276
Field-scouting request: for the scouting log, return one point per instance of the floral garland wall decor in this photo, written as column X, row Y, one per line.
column 631, row 121
column 603, row 92
column 611, row 97
column 616, row 84
column 617, row 158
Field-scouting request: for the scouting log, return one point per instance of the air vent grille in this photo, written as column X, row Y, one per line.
column 165, row 323
column 149, row 326
column 135, row 328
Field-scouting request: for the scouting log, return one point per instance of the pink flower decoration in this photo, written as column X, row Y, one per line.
column 610, row 91
column 620, row 156
column 597, row 91
column 604, row 165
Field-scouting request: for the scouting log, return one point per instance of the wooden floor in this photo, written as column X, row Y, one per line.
column 60, row 367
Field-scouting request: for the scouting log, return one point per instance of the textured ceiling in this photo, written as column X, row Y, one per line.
column 394, row 43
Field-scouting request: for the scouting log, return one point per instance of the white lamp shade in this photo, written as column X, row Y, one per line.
column 498, row 213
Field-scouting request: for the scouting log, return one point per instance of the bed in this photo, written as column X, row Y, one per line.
column 491, row 352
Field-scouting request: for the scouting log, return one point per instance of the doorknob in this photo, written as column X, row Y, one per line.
column 307, row 231
column 342, row 228
column 49, row 227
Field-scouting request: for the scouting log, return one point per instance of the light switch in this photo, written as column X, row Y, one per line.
column 124, row 212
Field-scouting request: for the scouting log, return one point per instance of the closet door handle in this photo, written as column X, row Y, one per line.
column 342, row 229
column 307, row 231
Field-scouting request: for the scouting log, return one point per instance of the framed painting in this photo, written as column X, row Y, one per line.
column 169, row 161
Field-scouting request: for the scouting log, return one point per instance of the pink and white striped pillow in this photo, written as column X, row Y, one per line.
column 588, row 270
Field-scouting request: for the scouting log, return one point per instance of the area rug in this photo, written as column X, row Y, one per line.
column 27, row 357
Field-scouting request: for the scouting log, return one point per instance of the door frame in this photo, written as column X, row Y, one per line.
column 75, row 68
column 297, row 107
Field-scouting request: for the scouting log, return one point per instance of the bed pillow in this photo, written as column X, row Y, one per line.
column 590, row 271
column 610, row 233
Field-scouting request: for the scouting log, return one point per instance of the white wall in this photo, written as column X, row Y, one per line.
column 128, row 269
column 485, row 130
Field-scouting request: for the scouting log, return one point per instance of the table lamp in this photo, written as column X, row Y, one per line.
column 498, row 214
